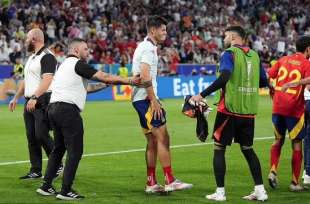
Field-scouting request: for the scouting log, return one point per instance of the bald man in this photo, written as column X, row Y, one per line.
column 39, row 72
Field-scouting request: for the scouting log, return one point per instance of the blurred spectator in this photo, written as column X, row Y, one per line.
column 195, row 29
column 50, row 30
column 58, row 50
column 203, row 71
column 15, row 54
column 265, row 55
column 18, row 72
column 4, row 56
column 194, row 72
column 123, row 70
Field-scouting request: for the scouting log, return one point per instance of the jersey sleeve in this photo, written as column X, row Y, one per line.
column 273, row 71
column 147, row 56
column 227, row 62
column 84, row 70
column 48, row 64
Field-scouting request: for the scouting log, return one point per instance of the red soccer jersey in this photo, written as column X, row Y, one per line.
column 289, row 69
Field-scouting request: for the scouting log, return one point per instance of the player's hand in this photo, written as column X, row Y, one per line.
column 195, row 100
column 12, row 104
column 135, row 80
column 156, row 109
column 31, row 105
column 289, row 85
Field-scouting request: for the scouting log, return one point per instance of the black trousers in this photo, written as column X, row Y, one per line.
column 67, row 124
column 37, row 132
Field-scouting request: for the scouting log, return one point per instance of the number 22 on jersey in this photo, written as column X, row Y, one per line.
column 293, row 76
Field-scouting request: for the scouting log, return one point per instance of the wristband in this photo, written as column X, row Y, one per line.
column 34, row 97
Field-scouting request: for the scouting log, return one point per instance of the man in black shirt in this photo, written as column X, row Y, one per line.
column 39, row 71
column 70, row 87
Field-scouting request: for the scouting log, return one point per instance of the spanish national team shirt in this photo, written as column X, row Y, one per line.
column 146, row 52
column 289, row 69
column 227, row 64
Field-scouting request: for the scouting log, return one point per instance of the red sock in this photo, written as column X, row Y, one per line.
column 169, row 178
column 296, row 165
column 151, row 176
column 275, row 153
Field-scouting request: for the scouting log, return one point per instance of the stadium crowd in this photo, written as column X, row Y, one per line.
column 113, row 27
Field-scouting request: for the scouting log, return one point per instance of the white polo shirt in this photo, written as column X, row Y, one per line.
column 70, row 82
column 146, row 52
column 38, row 64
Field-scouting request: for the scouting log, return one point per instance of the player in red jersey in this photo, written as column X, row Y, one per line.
column 288, row 109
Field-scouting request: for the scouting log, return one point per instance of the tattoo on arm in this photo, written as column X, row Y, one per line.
column 147, row 84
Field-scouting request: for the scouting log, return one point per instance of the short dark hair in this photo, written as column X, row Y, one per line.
column 237, row 29
column 155, row 21
column 75, row 41
column 303, row 43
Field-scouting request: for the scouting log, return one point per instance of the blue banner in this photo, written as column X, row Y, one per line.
column 5, row 71
column 186, row 69
column 174, row 87
column 182, row 69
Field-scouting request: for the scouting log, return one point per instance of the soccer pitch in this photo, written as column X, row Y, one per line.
column 113, row 170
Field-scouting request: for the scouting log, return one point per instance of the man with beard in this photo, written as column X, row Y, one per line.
column 241, row 75
column 39, row 72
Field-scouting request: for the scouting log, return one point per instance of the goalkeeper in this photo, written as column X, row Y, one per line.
column 241, row 75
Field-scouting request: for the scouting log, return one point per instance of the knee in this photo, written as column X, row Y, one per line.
column 75, row 156
column 151, row 141
column 297, row 144
column 278, row 142
column 219, row 147
column 243, row 148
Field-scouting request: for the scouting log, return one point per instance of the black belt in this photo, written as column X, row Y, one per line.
column 65, row 104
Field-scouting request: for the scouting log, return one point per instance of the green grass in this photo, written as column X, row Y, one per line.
column 120, row 178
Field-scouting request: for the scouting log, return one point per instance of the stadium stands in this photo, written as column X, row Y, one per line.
column 113, row 27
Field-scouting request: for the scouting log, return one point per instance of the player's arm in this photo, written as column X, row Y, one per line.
column 146, row 82
column 113, row 79
column 86, row 71
column 304, row 81
column 95, row 87
column 48, row 68
column 226, row 67
column 219, row 83
column 263, row 80
column 19, row 93
column 273, row 71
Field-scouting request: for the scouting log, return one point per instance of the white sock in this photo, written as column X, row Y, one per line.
column 259, row 188
column 220, row 190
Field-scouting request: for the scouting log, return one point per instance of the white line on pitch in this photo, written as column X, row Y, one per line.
column 127, row 151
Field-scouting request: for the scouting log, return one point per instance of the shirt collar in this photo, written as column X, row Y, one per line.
column 71, row 55
column 150, row 40
column 40, row 51
column 242, row 47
